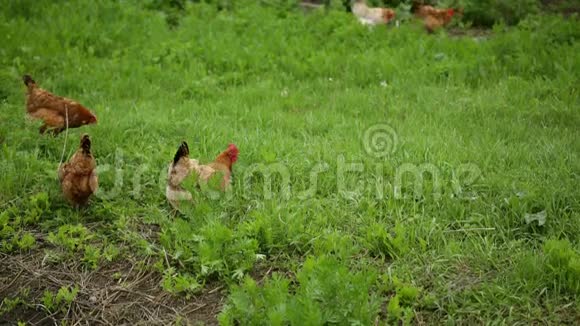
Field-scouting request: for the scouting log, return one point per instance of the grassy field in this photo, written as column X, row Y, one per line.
column 385, row 176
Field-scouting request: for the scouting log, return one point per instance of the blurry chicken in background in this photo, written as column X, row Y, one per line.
column 433, row 18
column 54, row 110
column 78, row 178
column 371, row 16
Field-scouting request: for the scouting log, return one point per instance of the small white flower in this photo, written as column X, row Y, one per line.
column 284, row 92
column 330, row 79
column 384, row 84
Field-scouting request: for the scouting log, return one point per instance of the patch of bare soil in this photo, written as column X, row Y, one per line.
column 122, row 293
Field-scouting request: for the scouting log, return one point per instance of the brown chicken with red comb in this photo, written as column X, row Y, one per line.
column 54, row 110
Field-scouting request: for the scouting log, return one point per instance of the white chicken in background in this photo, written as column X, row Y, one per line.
column 372, row 16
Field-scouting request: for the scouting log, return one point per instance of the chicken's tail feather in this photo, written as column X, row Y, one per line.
column 28, row 81
column 182, row 151
column 86, row 144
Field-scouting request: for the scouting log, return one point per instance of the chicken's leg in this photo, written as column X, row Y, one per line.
column 57, row 131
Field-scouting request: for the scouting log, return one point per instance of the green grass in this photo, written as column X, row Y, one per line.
column 493, row 121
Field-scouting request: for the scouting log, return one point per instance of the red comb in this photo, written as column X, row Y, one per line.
column 450, row 12
column 233, row 152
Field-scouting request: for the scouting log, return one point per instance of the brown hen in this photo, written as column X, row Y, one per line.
column 433, row 18
column 78, row 177
column 54, row 110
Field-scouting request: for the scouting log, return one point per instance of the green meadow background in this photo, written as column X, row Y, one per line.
column 446, row 166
